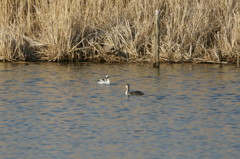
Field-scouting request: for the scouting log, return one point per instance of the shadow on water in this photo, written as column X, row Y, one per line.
column 51, row 110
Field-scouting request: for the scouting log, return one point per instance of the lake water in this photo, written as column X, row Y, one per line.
column 58, row 111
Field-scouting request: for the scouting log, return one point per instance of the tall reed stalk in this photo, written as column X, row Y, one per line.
column 119, row 30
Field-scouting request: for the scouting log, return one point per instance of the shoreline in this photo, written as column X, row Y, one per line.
column 132, row 62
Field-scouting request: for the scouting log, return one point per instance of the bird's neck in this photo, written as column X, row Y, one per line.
column 127, row 91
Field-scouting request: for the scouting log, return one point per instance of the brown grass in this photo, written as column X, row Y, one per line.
column 119, row 30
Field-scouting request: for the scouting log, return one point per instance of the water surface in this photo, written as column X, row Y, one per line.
column 58, row 111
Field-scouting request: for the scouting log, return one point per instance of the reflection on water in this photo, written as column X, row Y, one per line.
column 58, row 111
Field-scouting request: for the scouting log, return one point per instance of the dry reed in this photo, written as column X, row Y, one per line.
column 119, row 30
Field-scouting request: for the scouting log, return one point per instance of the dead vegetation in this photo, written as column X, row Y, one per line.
column 119, row 31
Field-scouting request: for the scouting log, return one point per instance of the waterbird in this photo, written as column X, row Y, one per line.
column 104, row 80
column 127, row 93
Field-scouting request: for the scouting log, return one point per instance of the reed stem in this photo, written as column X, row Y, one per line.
column 156, row 42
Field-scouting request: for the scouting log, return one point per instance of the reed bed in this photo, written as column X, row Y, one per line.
column 119, row 30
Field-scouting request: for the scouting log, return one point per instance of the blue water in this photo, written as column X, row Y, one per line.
column 58, row 111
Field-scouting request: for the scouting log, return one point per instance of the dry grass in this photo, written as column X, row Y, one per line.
column 119, row 30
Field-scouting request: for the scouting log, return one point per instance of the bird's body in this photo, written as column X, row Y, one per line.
column 104, row 81
column 133, row 92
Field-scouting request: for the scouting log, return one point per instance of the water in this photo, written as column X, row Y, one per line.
column 57, row 111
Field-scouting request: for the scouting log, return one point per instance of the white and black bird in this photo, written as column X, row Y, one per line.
column 128, row 92
column 104, row 80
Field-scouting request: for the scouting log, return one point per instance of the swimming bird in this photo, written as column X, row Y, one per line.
column 104, row 80
column 133, row 92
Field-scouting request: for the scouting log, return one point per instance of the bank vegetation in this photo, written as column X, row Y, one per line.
column 119, row 30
